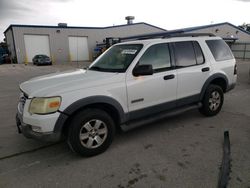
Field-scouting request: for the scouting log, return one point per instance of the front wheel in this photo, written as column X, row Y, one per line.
column 212, row 101
column 91, row 132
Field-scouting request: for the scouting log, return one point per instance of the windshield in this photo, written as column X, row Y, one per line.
column 117, row 58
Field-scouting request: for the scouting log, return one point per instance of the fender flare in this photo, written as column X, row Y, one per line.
column 64, row 115
column 209, row 80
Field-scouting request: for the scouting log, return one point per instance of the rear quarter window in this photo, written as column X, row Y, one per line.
column 220, row 50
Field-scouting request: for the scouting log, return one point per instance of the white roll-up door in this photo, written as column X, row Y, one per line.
column 36, row 44
column 78, row 49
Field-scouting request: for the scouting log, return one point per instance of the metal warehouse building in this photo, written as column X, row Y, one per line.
column 63, row 43
column 237, row 38
column 225, row 30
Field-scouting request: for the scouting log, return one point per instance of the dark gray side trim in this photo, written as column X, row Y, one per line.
column 209, row 80
column 188, row 100
column 149, row 119
column 137, row 114
column 60, row 122
column 87, row 101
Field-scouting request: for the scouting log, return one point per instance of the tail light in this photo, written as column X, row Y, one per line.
column 235, row 69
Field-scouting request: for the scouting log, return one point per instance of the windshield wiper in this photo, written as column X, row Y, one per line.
column 95, row 68
column 105, row 69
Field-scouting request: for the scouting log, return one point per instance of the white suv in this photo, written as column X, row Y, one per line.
column 131, row 84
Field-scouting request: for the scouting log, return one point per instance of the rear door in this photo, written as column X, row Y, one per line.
column 192, row 70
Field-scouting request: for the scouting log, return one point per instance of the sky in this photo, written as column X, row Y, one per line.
column 167, row 14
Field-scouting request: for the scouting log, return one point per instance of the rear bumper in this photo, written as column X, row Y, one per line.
column 230, row 87
column 27, row 131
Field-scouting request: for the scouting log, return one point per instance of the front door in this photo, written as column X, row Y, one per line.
column 154, row 93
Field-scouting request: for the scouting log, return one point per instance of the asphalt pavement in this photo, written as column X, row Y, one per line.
column 181, row 151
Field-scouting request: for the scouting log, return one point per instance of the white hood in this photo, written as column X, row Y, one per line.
column 57, row 83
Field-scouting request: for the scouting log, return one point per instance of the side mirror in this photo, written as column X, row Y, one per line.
column 142, row 70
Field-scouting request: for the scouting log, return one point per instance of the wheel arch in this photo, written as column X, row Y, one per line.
column 108, row 104
column 216, row 79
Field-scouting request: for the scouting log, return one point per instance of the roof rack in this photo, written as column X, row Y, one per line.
column 190, row 35
column 151, row 35
column 168, row 34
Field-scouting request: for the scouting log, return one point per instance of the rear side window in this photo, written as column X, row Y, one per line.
column 188, row 53
column 220, row 50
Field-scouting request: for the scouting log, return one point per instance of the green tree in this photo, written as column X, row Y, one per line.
column 245, row 26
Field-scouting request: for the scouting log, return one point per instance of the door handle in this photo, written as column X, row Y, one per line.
column 168, row 77
column 205, row 69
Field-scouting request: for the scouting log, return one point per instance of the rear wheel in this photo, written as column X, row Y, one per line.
column 91, row 132
column 212, row 101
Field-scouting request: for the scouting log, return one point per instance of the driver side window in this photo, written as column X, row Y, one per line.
column 158, row 56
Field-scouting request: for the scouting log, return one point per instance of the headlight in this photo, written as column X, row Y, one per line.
column 44, row 105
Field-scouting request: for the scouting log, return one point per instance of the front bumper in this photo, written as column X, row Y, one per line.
column 27, row 131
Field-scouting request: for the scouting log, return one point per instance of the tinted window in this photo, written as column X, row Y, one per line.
column 220, row 50
column 158, row 56
column 198, row 53
column 184, row 54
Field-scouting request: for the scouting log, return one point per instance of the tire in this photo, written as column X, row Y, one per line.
column 212, row 100
column 97, row 130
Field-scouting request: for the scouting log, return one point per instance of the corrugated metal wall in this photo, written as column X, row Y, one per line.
column 226, row 31
column 10, row 43
column 241, row 50
column 59, row 43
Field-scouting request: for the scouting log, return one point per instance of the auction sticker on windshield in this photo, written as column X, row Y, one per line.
column 129, row 51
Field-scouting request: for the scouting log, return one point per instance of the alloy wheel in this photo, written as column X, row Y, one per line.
column 214, row 101
column 93, row 133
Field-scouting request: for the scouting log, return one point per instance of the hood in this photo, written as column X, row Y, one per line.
column 57, row 83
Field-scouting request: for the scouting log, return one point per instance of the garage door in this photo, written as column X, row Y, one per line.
column 36, row 44
column 78, row 49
